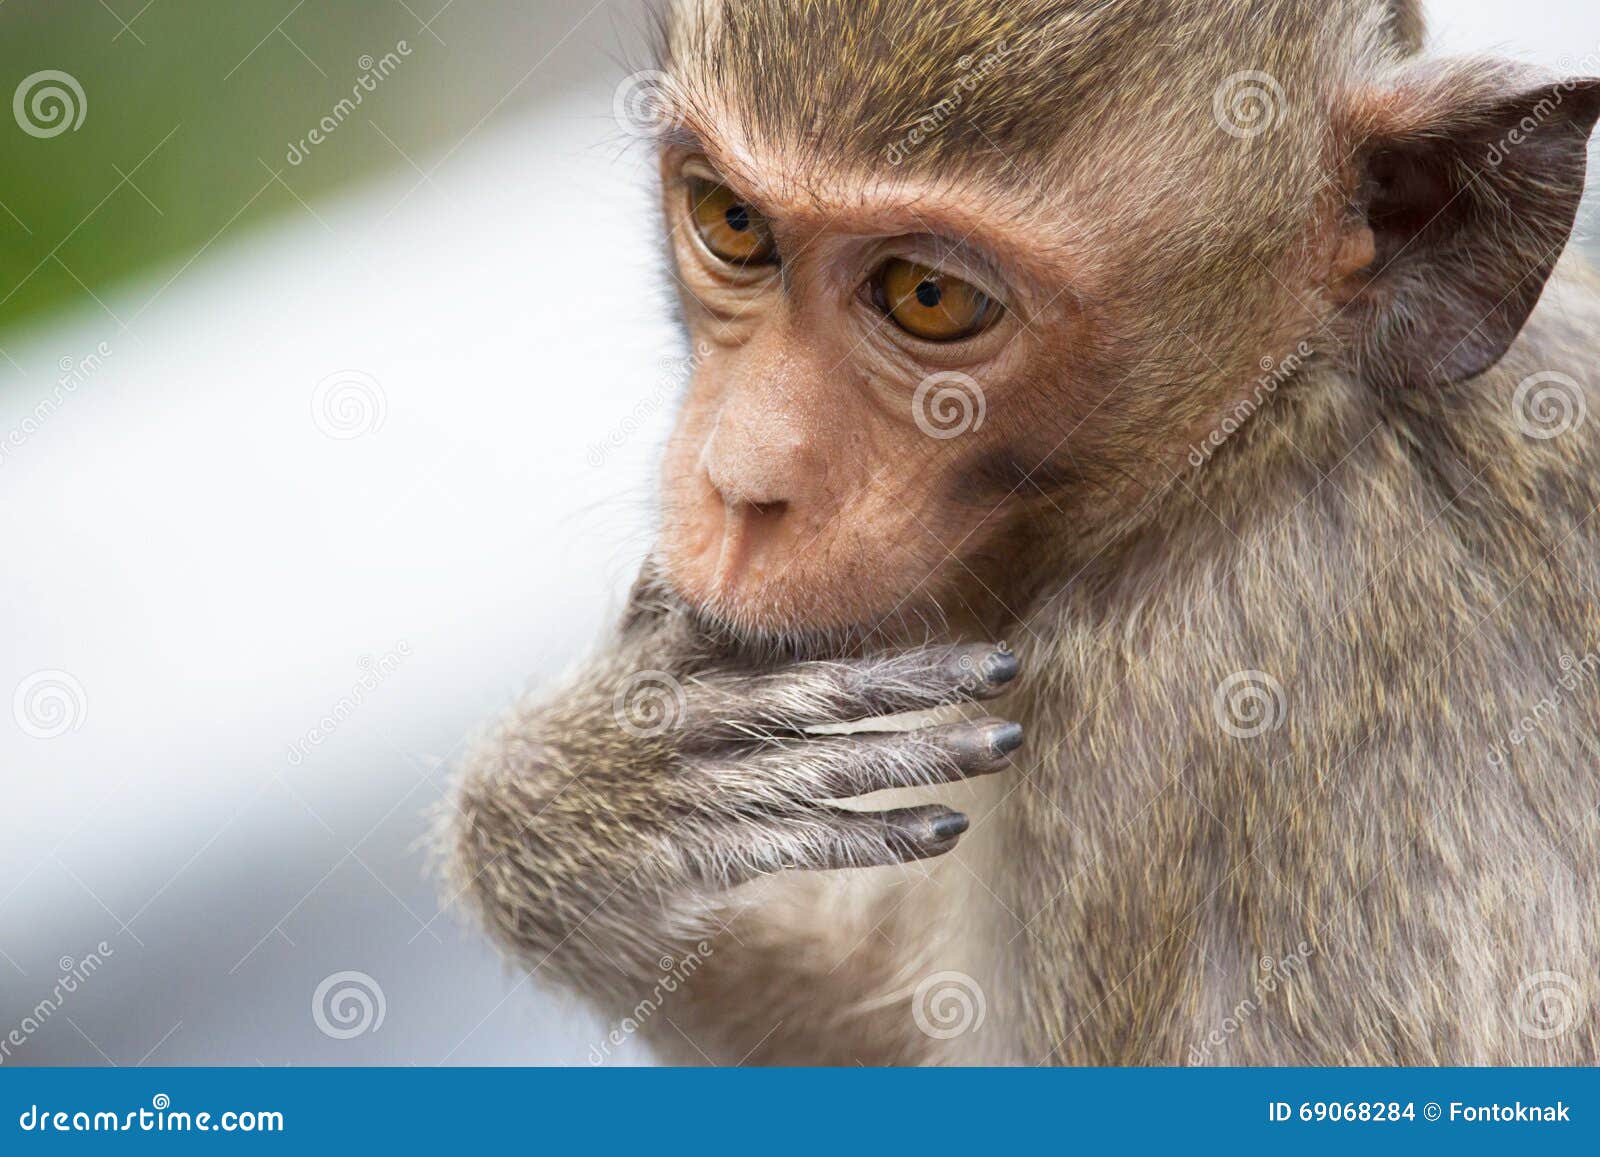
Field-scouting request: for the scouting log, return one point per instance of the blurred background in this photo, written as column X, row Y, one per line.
column 315, row 449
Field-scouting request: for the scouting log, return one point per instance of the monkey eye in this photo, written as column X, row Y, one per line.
column 730, row 228
column 931, row 305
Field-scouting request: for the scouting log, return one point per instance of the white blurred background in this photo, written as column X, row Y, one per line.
column 205, row 560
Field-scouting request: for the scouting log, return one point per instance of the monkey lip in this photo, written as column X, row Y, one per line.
column 803, row 605
column 764, row 625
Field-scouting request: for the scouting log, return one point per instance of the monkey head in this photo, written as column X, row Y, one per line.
column 967, row 282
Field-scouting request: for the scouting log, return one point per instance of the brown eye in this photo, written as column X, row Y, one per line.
column 729, row 227
column 931, row 305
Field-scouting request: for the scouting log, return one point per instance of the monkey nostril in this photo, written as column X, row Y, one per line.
column 769, row 509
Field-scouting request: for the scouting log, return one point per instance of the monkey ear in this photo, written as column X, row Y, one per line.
column 1467, row 181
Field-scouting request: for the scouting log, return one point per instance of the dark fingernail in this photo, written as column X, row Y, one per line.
column 1006, row 738
column 999, row 668
column 949, row 826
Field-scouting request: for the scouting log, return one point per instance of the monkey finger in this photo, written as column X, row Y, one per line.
column 846, row 839
column 818, row 693
column 842, row 766
column 826, row 839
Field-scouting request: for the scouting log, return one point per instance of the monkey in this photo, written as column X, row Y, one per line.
column 1125, row 590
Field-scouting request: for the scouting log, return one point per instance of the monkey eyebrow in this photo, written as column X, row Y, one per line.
column 940, row 245
column 1010, row 251
column 685, row 139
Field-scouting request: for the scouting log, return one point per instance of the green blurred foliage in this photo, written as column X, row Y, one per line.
column 192, row 106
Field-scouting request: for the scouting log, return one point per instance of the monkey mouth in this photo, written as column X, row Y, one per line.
column 731, row 632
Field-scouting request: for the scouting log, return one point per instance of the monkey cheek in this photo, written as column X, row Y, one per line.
column 689, row 555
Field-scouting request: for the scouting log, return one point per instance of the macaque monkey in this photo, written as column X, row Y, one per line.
column 1125, row 433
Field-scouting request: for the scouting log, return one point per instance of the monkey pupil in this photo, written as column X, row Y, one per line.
column 929, row 294
column 738, row 218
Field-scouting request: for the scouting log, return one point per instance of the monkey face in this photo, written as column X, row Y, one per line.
column 859, row 401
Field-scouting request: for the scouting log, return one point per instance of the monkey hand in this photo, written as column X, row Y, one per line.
column 748, row 780
column 615, row 813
